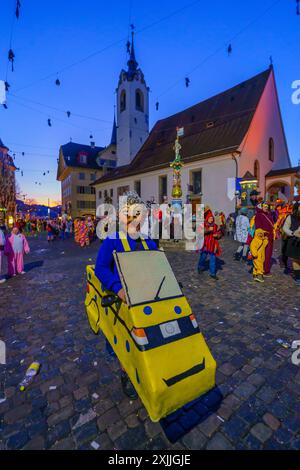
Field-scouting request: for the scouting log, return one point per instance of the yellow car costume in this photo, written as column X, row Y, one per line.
column 154, row 334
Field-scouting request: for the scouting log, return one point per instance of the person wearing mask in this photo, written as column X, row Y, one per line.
column 264, row 221
column 292, row 229
column 210, row 246
column 132, row 214
column 16, row 246
column 241, row 234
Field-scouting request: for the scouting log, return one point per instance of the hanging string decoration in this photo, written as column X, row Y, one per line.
column 7, row 86
column 49, row 123
column 297, row 7
column 156, row 105
column 68, row 113
column 57, row 82
column 187, row 82
column 229, row 49
column 11, row 58
column 18, row 6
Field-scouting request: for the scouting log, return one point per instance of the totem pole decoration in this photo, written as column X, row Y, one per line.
column 177, row 164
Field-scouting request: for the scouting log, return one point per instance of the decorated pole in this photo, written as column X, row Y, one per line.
column 177, row 164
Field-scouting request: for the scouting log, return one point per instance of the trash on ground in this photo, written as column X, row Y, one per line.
column 283, row 343
column 31, row 372
column 95, row 445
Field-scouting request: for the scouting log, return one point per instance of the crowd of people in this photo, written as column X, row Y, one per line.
column 256, row 229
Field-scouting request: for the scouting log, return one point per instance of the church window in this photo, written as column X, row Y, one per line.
column 256, row 171
column 271, row 149
column 137, row 187
column 139, row 100
column 197, row 181
column 123, row 101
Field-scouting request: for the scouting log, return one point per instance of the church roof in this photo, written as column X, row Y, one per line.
column 212, row 127
column 72, row 150
column 113, row 140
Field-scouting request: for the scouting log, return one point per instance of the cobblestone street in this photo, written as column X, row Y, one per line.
column 76, row 401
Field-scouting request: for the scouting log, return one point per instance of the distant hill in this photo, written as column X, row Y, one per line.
column 37, row 210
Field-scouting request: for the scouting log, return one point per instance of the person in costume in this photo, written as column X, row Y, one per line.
column 292, row 229
column 131, row 217
column 241, row 234
column 2, row 244
column 258, row 252
column 264, row 221
column 283, row 210
column 230, row 225
column 210, row 246
column 50, row 232
column 16, row 246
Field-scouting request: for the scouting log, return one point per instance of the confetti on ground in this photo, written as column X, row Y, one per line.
column 95, row 396
column 52, row 387
column 95, row 445
column 95, row 363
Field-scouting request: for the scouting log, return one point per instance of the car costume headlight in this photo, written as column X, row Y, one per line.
column 139, row 336
column 194, row 321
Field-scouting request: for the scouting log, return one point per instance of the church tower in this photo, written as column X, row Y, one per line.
column 132, row 110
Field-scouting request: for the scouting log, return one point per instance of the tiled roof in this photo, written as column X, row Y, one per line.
column 284, row 171
column 212, row 127
column 72, row 150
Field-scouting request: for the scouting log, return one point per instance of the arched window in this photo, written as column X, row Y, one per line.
column 139, row 100
column 271, row 149
column 123, row 100
column 256, row 171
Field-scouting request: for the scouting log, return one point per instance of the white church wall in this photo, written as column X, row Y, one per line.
column 215, row 172
column 266, row 123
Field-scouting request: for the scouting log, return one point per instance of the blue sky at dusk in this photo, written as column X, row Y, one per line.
column 52, row 34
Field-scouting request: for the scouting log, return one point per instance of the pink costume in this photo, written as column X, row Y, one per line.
column 15, row 248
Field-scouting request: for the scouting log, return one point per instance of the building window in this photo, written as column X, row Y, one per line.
column 111, row 193
column 93, row 176
column 81, row 176
column 139, row 100
column 122, row 190
column 86, row 204
column 163, row 188
column 137, row 187
column 123, row 100
column 271, row 149
column 256, row 171
column 85, row 190
column 197, row 181
column 100, row 194
column 105, row 193
column 82, row 158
